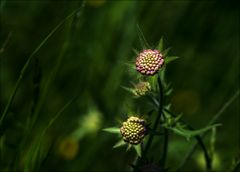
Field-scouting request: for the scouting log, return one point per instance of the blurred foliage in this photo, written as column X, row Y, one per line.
column 86, row 57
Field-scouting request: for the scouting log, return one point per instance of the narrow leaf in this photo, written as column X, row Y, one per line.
column 138, row 149
column 119, row 143
column 128, row 89
column 112, row 130
column 128, row 147
column 160, row 45
column 60, row 112
column 169, row 59
column 27, row 63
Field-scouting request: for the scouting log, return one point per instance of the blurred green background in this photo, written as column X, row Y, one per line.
column 86, row 57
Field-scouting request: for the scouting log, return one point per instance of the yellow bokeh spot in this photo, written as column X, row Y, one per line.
column 68, row 148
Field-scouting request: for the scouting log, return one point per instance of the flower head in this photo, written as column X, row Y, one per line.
column 142, row 88
column 133, row 130
column 149, row 62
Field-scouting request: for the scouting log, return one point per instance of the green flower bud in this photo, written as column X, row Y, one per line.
column 142, row 88
column 133, row 130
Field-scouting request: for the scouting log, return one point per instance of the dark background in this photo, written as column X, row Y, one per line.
column 86, row 57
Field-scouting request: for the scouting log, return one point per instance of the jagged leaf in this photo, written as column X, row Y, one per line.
column 190, row 133
column 138, row 149
column 169, row 59
column 114, row 130
column 119, row 143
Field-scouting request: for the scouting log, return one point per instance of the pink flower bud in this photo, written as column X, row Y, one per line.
column 149, row 62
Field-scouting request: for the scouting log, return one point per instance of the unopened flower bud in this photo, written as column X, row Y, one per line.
column 142, row 88
column 149, row 62
column 133, row 130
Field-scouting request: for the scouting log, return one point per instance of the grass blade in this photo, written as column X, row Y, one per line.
column 34, row 154
column 27, row 64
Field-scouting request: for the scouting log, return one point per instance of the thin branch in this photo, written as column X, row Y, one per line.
column 207, row 157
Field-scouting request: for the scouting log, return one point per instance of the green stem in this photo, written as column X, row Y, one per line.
column 162, row 161
column 149, row 142
column 206, row 155
column 157, row 121
column 165, row 149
